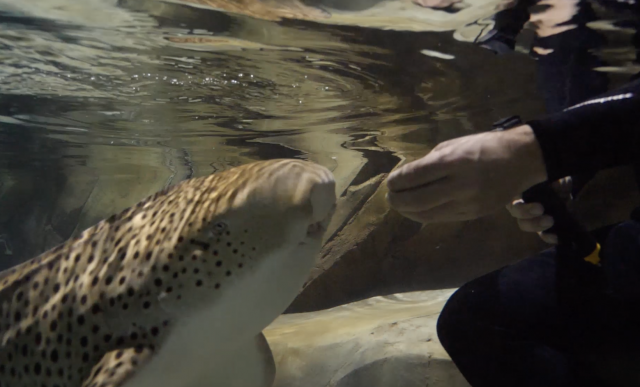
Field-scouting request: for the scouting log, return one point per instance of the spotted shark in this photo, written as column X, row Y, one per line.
column 173, row 291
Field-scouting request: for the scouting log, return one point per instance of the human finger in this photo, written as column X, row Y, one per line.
column 415, row 216
column 538, row 224
column 416, row 173
column 522, row 210
column 563, row 188
column 551, row 239
column 446, row 212
column 423, row 198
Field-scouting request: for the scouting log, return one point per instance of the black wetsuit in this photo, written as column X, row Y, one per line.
column 510, row 327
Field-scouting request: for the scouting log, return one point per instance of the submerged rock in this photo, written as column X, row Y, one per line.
column 381, row 341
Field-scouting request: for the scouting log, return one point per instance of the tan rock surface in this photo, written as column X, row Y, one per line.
column 378, row 342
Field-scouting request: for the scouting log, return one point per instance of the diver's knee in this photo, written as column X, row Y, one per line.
column 453, row 316
column 472, row 303
column 446, row 322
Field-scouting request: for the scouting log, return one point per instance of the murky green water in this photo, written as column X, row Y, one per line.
column 103, row 102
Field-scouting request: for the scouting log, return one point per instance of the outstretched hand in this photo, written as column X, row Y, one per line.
column 468, row 177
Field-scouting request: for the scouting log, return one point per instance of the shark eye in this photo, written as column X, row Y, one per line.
column 219, row 227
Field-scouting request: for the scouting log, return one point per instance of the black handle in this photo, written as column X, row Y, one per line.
column 570, row 233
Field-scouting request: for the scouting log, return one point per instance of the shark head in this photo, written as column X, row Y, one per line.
column 276, row 205
column 255, row 218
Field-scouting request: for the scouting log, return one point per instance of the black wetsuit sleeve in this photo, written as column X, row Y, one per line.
column 599, row 133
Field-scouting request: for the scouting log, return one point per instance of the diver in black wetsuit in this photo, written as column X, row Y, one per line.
column 512, row 327
column 507, row 328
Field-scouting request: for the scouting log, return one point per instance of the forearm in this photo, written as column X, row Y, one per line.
column 599, row 133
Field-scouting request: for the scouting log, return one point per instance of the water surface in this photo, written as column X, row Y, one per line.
column 103, row 102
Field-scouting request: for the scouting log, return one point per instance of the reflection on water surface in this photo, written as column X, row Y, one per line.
column 104, row 102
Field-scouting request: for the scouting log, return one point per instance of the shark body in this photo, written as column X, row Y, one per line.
column 171, row 292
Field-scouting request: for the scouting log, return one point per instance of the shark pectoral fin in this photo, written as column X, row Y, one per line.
column 118, row 366
column 265, row 357
column 253, row 366
column 250, row 365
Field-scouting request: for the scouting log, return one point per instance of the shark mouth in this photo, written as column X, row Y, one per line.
column 317, row 229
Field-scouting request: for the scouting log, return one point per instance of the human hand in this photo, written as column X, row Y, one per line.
column 530, row 216
column 467, row 177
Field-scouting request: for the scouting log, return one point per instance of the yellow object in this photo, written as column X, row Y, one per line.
column 594, row 257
